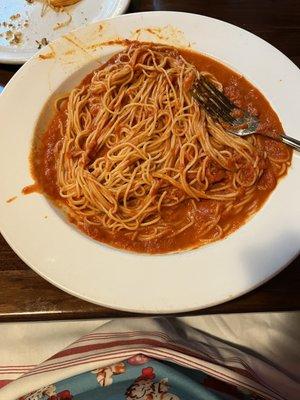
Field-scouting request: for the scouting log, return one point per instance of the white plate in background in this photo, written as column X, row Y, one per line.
column 142, row 283
column 39, row 27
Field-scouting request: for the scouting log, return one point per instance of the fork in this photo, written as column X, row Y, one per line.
column 222, row 109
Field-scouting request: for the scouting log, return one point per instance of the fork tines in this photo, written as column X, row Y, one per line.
column 214, row 101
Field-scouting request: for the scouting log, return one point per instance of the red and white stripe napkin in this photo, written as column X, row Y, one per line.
column 212, row 344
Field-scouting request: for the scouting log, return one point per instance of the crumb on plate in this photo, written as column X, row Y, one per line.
column 42, row 42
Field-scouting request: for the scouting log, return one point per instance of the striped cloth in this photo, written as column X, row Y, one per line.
column 178, row 341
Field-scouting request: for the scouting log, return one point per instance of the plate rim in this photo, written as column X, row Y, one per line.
column 154, row 311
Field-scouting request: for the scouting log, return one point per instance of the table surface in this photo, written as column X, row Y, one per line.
column 26, row 296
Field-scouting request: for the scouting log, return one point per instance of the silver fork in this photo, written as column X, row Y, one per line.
column 221, row 108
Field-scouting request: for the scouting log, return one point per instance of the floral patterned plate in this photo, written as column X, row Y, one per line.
column 141, row 378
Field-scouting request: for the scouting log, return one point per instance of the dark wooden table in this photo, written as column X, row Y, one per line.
column 26, row 296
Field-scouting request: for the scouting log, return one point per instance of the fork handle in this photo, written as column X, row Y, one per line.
column 290, row 141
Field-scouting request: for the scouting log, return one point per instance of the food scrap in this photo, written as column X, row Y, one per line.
column 15, row 16
column 60, row 25
column 11, row 199
column 47, row 56
column 42, row 42
column 30, row 189
column 62, row 3
column 57, row 5
column 17, row 39
column 13, row 35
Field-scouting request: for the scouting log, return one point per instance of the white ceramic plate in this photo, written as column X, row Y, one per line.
column 101, row 274
column 34, row 26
